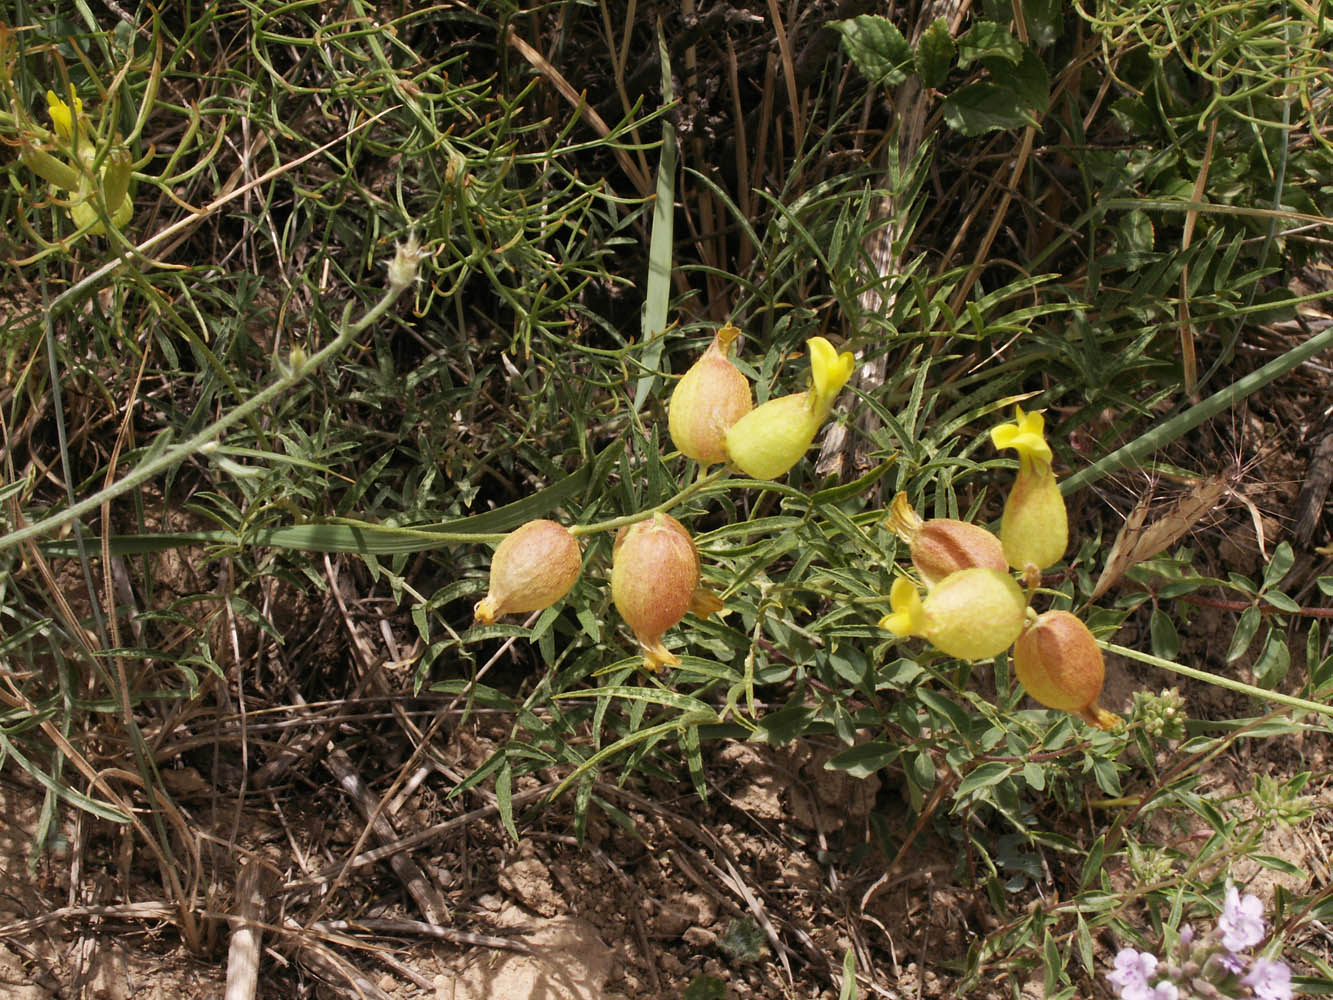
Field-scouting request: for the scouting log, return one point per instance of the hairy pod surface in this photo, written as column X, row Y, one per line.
column 654, row 576
column 708, row 400
column 943, row 545
column 1059, row 663
column 534, row 566
column 972, row 614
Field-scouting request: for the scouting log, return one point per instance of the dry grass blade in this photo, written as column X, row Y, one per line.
column 1188, row 361
column 335, row 970
column 419, row 887
column 246, row 932
column 1135, row 543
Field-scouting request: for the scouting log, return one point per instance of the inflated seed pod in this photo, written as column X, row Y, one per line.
column 1060, row 665
column 533, row 567
column 773, row 437
column 1034, row 529
column 655, row 581
column 972, row 614
column 707, row 400
column 942, row 545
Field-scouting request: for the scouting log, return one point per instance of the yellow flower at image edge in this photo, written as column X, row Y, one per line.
column 1034, row 529
column 771, row 438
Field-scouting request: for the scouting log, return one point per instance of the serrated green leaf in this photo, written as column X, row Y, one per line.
column 1282, row 602
column 984, row 107
column 504, row 799
column 934, row 54
column 1045, row 21
column 990, row 773
column 1279, row 566
column 989, row 40
column 876, row 47
column 1165, row 640
column 1034, row 776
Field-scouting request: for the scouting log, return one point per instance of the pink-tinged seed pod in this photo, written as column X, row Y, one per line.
column 533, row 567
column 942, row 545
column 654, row 581
column 1060, row 665
column 707, row 400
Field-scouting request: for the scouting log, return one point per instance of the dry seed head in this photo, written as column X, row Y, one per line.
column 533, row 567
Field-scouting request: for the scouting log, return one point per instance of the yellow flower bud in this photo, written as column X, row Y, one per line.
column 771, row 438
column 65, row 119
column 707, row 400
column 972, row 614
column 1060, row 665
column 1034, row 529
column 533, row 567
column 655, row 581
column 943, row 545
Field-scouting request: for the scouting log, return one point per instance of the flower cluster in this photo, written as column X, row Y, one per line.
column 973, row 609
column 89, row 174
column 1213, row 965
column 655, row 571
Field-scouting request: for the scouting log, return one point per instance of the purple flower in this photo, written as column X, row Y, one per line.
column 1242, row 920
column 1230, row 962
column 1165, row 990
column 1186, row 935
column 1269, row 980
column 1130, row 978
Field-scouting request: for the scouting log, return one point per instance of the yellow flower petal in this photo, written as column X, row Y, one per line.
column 829, row 372
column 62, row 118
column 1025, row 436
column 909, row 615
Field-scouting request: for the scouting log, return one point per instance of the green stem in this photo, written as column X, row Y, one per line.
column 206, row 439
column 444, row 537
column 1219, row 681
column 1166, row 432
column 616, row 523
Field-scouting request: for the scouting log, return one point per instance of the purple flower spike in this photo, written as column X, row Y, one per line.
column 1130, row 978
column 1242, row 920
column 1269, row 980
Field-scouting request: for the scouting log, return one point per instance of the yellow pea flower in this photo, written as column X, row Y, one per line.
column 972, row 614
column 64, row 118
column 1034, row 529
column 771, row 438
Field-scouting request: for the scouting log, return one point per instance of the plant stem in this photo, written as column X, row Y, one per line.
column 1167, row 431
column 1219, row 681
column 616, row 523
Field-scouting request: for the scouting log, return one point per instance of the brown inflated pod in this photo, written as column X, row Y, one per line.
column 533, row 567
column 1060, row 665
column 707, row 400
column 942, row 545
column 655, row 581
